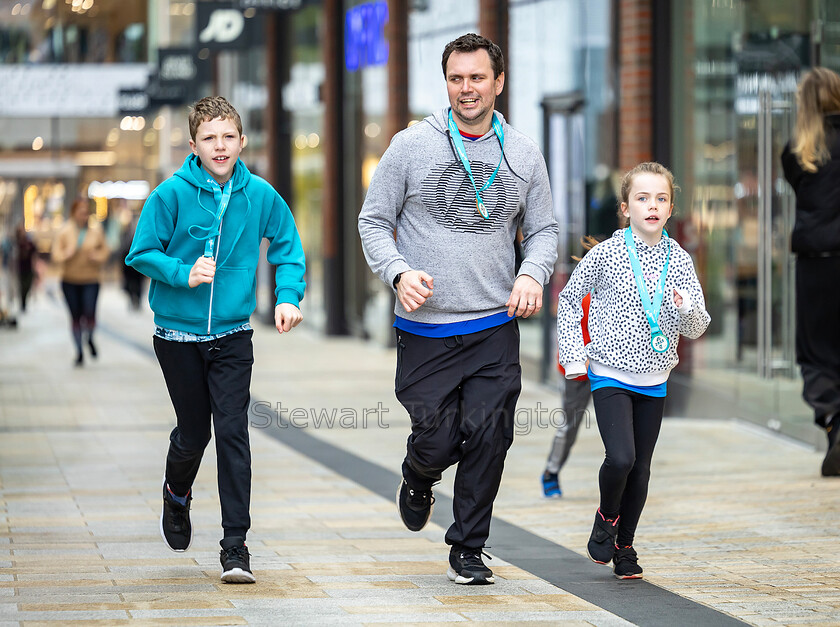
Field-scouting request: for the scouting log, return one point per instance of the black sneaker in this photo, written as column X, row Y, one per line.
column 831, row 463
column 415, row 506
column 175, row 526
column 466, row 567
column 601, row 545
column 626, row 563
column 236, row 561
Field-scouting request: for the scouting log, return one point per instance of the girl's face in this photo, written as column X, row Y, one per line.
column 648, row 206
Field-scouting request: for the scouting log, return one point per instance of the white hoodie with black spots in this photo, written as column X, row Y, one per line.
column 620, row 345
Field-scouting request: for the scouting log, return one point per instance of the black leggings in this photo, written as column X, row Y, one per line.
column 629, row 423
column 81, row 301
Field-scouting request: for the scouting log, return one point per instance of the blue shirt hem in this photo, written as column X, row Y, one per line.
column 598, row 382
column 449, row 329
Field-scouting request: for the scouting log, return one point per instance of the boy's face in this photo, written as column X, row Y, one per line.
column 217, row 144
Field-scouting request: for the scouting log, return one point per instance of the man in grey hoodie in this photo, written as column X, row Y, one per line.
column 454, row 189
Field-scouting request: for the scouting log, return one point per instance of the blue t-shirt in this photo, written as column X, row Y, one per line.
column 449, row 329
column 597, row 382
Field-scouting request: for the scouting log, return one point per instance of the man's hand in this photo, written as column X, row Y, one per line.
column 203, row 271
column 286, row 317
column 525, row 297
column 411, row 291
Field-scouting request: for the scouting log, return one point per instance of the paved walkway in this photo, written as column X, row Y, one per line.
column 738, row 527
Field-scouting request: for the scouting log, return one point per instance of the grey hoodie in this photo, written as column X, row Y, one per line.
column 421, row 190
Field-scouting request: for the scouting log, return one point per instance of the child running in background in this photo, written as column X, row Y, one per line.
column 576, row 396
column 645, row 294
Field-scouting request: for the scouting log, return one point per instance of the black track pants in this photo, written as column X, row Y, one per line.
column 461, row 394
column 629, row 424
column 207, row 378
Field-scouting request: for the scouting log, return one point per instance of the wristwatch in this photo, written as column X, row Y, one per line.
column 397, row 279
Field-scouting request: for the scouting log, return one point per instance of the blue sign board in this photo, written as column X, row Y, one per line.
column 364, row 36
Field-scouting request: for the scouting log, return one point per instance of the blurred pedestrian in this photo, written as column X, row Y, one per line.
column 198, row 239
column 576, row 395
column 811, row 163
column 454, row 188
column 24, row 263
column 81, row 249
column 645, row 294
column 133, row 281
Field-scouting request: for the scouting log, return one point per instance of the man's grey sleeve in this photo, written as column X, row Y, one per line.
column 378, row 217
column 539, row 228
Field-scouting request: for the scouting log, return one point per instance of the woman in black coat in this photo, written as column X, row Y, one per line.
column 811, row 163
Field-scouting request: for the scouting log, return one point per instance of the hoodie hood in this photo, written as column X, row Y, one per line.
column 192, row 172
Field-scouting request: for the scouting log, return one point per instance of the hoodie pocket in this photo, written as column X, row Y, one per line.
column 178, row 302
column 234, row 295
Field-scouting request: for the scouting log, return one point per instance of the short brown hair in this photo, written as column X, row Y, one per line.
column 210, row 108
column 470, row 43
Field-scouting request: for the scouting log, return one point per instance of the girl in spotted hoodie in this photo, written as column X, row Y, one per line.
column 645, row 295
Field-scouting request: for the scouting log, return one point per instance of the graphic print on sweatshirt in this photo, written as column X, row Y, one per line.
column 450, row 198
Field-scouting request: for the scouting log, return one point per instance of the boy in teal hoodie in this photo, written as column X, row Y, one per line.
column 198, row 240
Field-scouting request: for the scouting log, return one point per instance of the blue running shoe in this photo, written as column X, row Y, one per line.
column 551, row 485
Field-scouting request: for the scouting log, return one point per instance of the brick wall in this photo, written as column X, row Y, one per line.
column 635, row 133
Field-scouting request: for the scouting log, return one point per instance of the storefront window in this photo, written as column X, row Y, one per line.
column 733, row 112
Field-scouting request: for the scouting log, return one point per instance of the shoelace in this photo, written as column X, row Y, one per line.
column 237, row 552
column 178, row 516
column 418, row 499
column 473, row 558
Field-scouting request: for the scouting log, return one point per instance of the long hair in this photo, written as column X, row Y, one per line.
column 818, row 94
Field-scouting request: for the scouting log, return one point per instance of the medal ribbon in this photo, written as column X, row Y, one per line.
column 223, row 203
column 652, row 309
column 462, row 155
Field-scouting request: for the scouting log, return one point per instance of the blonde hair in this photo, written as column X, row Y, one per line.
column 818, row 94
column 647, row 167
column 210, row 108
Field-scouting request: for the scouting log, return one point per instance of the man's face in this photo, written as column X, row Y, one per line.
column 472, row 89
column 218, row 144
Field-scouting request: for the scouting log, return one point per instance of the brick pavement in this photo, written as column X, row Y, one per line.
column 737, row 519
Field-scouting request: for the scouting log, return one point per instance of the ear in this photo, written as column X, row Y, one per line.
column 243, row 141
column 625, row 211
column 193, row 148
column 500, row 83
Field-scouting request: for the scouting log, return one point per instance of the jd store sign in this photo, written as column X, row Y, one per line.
column 224, row 25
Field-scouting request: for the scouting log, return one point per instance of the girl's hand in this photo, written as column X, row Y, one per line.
column 678, row 300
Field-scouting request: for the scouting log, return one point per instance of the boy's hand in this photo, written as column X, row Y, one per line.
column 678, row 300
column 286, row 317
column 203, row 271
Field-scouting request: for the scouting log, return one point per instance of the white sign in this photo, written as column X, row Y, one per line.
column 82, row 91
column 225, row 25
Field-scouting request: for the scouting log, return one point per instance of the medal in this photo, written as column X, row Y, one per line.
column 658, row 340
column 462, row 155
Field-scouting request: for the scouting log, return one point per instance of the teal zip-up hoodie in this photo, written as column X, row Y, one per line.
column 178, row 218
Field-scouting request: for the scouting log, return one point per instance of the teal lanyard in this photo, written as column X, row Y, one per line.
column 462, row 155
column 217, row 223
column 659, row 341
